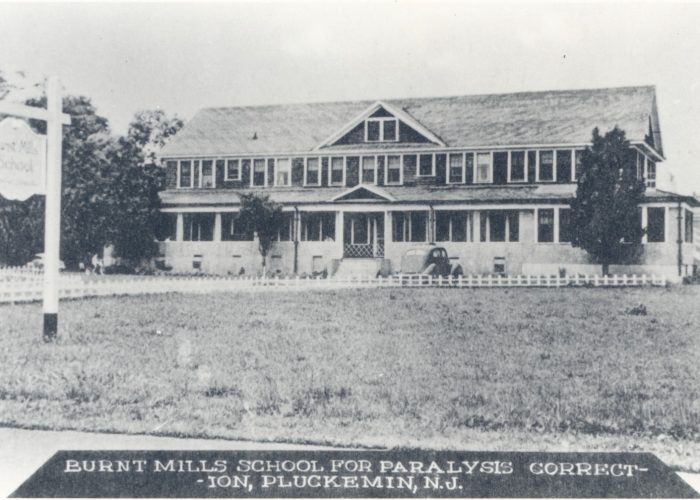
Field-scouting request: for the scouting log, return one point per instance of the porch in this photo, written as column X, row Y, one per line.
column 363, row 235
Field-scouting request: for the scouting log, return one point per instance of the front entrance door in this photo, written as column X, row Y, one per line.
column 363, row 235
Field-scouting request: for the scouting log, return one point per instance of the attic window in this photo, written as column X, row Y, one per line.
column 381, row 130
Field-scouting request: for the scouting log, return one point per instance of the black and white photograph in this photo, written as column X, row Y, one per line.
column 350, row 249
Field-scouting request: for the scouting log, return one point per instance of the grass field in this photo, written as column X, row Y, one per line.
column 486, row 368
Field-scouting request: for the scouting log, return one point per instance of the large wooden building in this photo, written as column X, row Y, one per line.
column 488, row 177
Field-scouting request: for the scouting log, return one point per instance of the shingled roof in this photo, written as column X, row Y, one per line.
column 526, row 118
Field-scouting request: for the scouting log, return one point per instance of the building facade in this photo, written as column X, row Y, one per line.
column 488, row 177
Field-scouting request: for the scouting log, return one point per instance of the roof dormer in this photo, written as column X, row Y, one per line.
column 382, row 123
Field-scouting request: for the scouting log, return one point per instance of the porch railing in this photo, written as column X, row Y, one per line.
column 363, row 251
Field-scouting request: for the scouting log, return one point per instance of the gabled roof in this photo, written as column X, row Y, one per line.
column 364, row 192
column 525, row 118
column 396, row 112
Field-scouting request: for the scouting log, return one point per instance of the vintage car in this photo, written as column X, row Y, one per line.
column 429, row 260
column 37, row 262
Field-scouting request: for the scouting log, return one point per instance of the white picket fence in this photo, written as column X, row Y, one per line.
column 21, row 285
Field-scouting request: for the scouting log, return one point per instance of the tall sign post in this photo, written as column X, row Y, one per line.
column 52, row 223
column 31, row 164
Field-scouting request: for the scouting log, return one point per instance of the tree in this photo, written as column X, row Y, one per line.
column 261, row 216
column 86, row 211
column 21, row 230
column 151, row 130
column 137, row 180
column 110, row 189
column 605, row 214
column 132, row 195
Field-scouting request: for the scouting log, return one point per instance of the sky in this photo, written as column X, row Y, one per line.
column 180, row 57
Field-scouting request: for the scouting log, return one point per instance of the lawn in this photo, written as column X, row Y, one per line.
column 580, row 369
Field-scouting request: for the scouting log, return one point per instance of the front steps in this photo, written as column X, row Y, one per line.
column 358, row 267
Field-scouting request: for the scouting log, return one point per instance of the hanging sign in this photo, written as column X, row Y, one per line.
column 22, row 160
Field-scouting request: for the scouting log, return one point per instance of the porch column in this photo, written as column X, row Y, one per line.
column 388, row 233
column 431, row 224
column 374, row 236
column 340, row 232
column 476, row 229
column 217, row 226
column 297, row 225
column 179, row 227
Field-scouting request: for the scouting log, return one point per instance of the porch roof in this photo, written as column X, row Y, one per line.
column 403, row 194
column 467, row 121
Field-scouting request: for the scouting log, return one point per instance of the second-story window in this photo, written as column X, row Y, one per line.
column 207, row 178
column 651, row 173
column 381, row 130
column 393, row 170
column 185, row 174
column 337, row 171
column 456, row 169
column 283, row 172
column 564, row 165
column 517, row 166
column 369, row 170
column 313, row 172
column 259, row 173
column 426, row 165
column 233, row 170
column 578, row 162
column 546, row 167
column 483, row 167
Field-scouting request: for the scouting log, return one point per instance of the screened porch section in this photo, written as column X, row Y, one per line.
column 363, row 235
